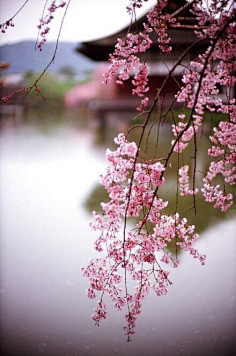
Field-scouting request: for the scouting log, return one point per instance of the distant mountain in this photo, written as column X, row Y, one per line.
column 23, row 57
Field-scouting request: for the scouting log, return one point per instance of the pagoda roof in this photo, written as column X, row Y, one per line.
column 99, row 49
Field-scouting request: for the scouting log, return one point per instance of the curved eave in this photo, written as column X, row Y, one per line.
column 100, row 48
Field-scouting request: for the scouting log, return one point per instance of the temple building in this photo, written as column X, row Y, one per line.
column 112, row 97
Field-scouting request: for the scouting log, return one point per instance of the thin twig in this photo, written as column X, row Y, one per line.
column 35, row 47
column 144, row 127
column 55, row 51
column 193, row 107
column 195, row 167
column 187, row 27
column 17, row 12
column 188, row 4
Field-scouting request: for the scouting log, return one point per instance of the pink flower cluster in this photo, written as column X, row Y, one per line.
column 135, row 254
column 211, row 71
column 135, row 4
column 125, row 61
column 201, row 91
column 158, row 22
column 4, row 26
column 46, row 20
column 187, row 132
column 224, row 152
column 214, row 16
column 6, row 99
column 184, row 182
column 140, row 82
column 139, row 255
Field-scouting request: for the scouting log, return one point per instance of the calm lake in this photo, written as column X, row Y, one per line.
column 45, row 179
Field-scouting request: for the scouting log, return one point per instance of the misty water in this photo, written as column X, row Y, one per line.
column 45, row 239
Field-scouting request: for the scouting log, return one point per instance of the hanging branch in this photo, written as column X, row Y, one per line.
column 133, row 181
column 9, row 23
column 26, row 91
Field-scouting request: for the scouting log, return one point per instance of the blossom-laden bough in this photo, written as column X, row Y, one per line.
column 43, row 30
column 140, row 254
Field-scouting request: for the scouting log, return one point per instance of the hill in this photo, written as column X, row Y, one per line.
column 23, row 57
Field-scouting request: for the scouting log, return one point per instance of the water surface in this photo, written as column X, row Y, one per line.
column 45, row 238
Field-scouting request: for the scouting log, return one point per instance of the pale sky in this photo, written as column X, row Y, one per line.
column 85, row 20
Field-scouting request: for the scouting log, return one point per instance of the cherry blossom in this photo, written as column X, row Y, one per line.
column 184, row 182
column 45, row 21
column 139, row 252
column 134, row 230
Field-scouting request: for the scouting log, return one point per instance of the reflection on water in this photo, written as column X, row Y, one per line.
column 45, row 239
